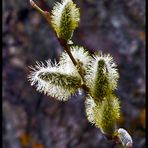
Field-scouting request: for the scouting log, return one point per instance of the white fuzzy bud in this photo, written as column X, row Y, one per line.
column 54, row 80
column 125, row 138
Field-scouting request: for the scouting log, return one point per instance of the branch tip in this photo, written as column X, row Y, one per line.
column 36, row 7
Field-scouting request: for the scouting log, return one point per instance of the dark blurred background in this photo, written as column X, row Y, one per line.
column 33, row 120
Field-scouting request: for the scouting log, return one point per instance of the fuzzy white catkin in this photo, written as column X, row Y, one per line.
column 53, row 86
column 110, row 66
column 65, row 17
column 79, row 53
column 125, row 137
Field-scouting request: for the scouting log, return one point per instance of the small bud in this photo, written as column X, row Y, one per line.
column 125, row 138
column 80, row 91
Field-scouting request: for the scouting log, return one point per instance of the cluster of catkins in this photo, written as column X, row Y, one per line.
column 98, row 72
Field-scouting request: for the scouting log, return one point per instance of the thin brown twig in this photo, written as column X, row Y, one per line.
column 46, row 14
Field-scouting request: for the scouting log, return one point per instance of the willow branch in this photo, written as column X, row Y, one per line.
column 66, row 47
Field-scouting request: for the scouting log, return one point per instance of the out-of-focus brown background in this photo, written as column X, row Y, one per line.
column 32, row 120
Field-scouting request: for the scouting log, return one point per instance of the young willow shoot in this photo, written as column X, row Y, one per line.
column 96, row 74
